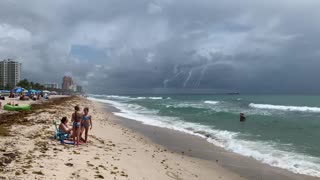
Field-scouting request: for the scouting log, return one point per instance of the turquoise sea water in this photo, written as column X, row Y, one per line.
column 281, row 130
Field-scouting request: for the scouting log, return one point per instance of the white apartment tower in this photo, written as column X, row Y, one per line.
column 10, row 73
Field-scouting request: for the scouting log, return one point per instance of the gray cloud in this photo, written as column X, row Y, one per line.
column 249, row 46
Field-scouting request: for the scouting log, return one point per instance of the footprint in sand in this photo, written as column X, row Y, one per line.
column 99, row 176
column 68, row 164
column 173, row 175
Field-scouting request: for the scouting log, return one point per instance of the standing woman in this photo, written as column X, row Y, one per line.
column 76, row 124
column 86, row 122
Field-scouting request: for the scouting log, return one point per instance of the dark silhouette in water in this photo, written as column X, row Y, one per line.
column 242, row 117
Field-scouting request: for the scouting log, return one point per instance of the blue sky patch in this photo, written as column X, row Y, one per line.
column 87, row 53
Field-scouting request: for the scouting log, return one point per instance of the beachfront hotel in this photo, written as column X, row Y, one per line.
column 67, row 83
column 51, row 85
column 79, row 89
column 10, row 73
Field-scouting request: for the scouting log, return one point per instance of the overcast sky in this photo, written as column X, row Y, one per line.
column 247, row 45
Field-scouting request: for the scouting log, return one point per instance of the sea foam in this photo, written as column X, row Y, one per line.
column 116, row 97
column 285, row 108
column 211, row 102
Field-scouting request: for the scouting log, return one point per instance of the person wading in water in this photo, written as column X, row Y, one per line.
column 242, row 117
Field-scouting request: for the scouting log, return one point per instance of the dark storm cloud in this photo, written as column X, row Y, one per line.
column 248, row 45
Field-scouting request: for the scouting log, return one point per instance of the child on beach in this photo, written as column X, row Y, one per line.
column 86, row 122
column 76, row 124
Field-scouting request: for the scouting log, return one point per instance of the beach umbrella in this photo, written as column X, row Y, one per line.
column 25, row 91
column 46, row 91
column 32, row 91
column 18, row 90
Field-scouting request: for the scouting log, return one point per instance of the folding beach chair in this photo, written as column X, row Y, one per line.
column 58, row 134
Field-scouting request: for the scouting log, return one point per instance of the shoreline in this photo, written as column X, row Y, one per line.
column 179, row 142
column 118, row 148
column 113, row 152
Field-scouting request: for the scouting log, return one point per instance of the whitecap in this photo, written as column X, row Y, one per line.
column 265, row 152
column 285, row 108
column 211, row 102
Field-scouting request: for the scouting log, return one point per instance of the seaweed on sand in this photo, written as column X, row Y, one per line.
column 8, row 119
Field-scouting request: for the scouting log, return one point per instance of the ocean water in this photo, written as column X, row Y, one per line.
column 280, row 130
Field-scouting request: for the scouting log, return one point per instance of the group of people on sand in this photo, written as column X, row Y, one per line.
column 33, row 96
column 80, row 123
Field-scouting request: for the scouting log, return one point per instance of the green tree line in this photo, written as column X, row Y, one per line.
column 30, row 85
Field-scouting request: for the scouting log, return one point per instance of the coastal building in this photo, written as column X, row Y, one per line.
column 51, row 85
column 73, row 87
column 79, row 89
column 67, row 83
column 10, row 73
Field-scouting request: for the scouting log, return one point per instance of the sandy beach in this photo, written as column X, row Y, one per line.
column 113, row 152
column 116, row 150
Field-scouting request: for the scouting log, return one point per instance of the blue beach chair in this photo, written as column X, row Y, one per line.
column 58, row 134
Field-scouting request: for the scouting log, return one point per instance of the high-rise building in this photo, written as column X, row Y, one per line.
column 51, row 85
column 79, row 89
column 10, row 73
column 73, row 87
column 67, row 83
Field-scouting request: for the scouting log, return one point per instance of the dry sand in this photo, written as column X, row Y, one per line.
column 113, row 152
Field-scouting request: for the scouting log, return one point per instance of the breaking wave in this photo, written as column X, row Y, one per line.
column 211, row 102
column 285, row 108
column 231, row 141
